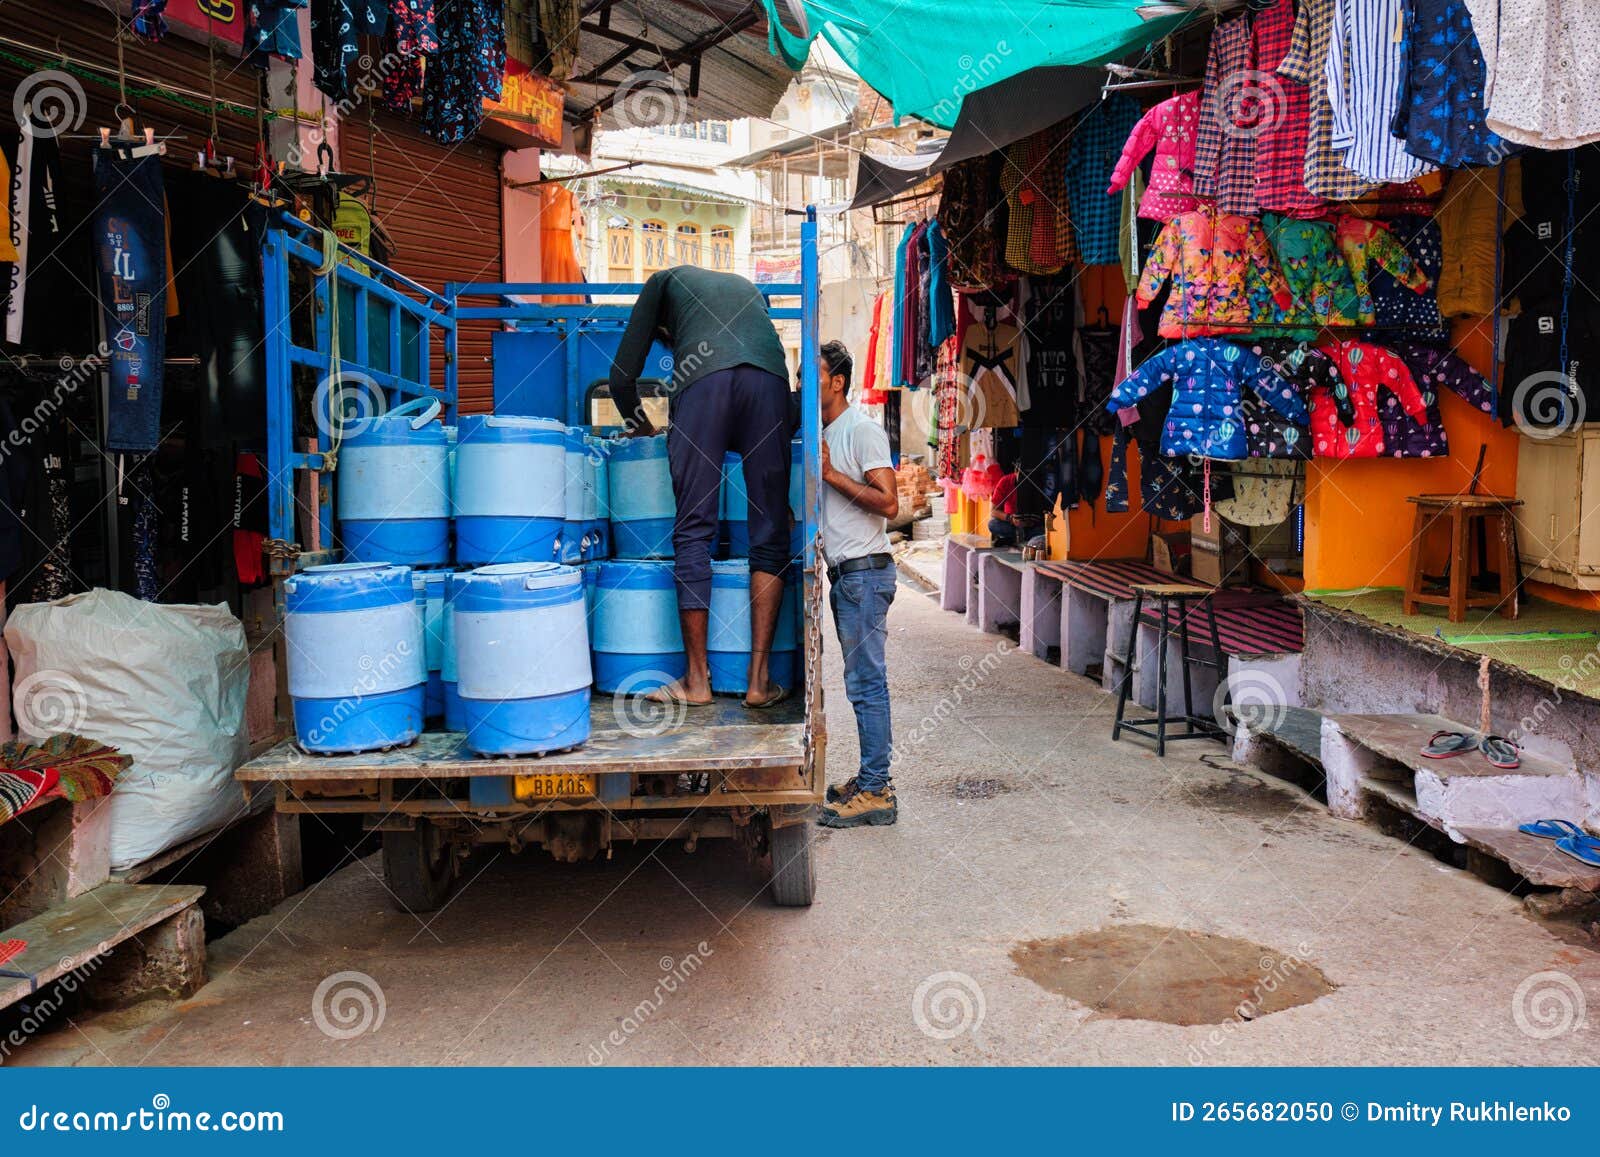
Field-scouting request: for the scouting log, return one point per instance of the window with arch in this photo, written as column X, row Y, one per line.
column 688, row 247
column 619, row 249
column 722, row 248
column 653, row 239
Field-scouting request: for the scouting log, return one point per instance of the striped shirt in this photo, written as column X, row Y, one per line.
column 1325, row 173
column 1365, row 73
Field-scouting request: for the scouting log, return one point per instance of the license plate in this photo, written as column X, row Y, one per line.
column 559, row 785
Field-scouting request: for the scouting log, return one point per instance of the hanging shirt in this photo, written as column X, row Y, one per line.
column 1478, row 205
column 941, row 307
column 1038, row 225
column 1542, row 62
column 1097, row 141
column 1223, row 276
column 1441, row 114
column 1284, row 130
column 1230, row 109
column 967, row 211
column 898, row 322
column 1366, row 48
column 1170, row 129
column 1325, row 171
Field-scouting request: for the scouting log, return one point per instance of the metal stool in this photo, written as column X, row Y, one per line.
column 1184, row 597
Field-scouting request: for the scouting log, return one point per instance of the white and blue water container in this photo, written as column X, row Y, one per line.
column 393, row 488
column 510, row 489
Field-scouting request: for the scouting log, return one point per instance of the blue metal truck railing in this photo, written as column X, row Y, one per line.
column 383, row 304
column 385, row 328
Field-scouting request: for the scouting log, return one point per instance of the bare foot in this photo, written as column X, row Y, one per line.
column 767, row 696
column 680, row 691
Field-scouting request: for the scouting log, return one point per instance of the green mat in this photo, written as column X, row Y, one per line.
column 1549, row 640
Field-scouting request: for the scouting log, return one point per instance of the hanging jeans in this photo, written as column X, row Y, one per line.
column 860, row 601
column 130, row 252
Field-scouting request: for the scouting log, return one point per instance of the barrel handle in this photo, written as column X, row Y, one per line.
column 425, row 409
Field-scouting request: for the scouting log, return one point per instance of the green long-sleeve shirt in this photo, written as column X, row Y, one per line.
column 713, row 321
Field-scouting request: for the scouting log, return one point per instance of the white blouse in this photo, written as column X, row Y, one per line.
column 1542, row 59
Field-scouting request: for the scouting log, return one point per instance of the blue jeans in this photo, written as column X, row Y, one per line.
column 860, row 602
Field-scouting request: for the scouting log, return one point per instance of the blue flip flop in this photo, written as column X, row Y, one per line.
column 1584, row 849
column 1552, row 829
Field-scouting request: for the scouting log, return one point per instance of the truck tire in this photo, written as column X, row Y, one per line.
column 794, row 872
column 419, row 866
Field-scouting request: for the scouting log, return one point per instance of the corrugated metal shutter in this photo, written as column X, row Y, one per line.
column 440, row 205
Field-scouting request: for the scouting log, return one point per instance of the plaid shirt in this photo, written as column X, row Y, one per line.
column 1281, row 142
column 1225, row 151
column 1325, row 172
column 1097, row 141
column 1039, row 226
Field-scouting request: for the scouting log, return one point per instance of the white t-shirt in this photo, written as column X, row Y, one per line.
column 856, row 444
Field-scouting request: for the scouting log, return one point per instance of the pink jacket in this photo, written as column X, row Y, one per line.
column 1170, row 129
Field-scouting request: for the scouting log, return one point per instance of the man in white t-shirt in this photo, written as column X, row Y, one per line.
column 858, row 497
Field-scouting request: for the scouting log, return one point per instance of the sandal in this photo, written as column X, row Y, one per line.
column 1500, row 751
column 1552, row 829
column 780, row 694
column 1446, row 744
column 1584, row 849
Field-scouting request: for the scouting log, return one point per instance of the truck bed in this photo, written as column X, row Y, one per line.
column 720, row 736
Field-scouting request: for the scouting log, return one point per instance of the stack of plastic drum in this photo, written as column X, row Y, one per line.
column 356, row 657
column 393, row 488
column 429, row 586
column 510, row 489
column 637, row 642
column 642, row 505
column 735, row 503
column 522, row 658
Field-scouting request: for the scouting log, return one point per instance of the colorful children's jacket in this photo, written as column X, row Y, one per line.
column 1433, row 370
column 1401, row 309
column 1367, row 244
column 1323, row 292
column 1363, row 369
column 1170, row 129
column 1270, row 435
column 1223, row 276
column 1208, row 379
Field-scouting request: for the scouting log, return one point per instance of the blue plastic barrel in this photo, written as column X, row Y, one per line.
column 357, row 657
column 522, row 657
column 597, row 506
column 783, row 666
column 638, row 645
column 449, row 678
column 728, row 638
column 574, row 542
column 591, row 592
column 429, row 588
column 393, row 488
column 642, row 504
column 510, row 489
column 735, row 503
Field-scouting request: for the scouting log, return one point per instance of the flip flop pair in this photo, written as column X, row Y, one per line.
column 1497, row 749
column 1569, row 839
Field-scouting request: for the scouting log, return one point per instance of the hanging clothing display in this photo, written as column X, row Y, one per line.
column 1223, row 275
column 1230, row 107
column 1542, row 63
column 1096, row 348
column 1321, row 288
column 336, row 29
column 1478, row 205
column 973, row 215
column 1367, row 246
column 1441, row 115
column 1096, row 144
column 1401, row 307
column 37, row 233
column 1284, row 126
column 992, row 363
column 129, row 235
column 469, row 69
column 1364, row 74
column 1364, row 369
column 1171, row 129
column 273, row 28
column 1038, row 221
column 1325, row 171
column 941, row 306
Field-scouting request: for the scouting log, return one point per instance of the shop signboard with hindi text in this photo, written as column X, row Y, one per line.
column 528, row 113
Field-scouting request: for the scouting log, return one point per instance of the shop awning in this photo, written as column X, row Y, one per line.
column 991, row 118
column 929, row 56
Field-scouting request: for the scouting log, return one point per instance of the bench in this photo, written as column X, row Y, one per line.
column 1000, row 581
column 961, row 574
column 1093, row 603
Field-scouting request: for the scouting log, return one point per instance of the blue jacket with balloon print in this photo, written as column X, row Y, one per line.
column 1208, row 378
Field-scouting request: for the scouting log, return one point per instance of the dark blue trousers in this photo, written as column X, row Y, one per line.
column 130, row 249
column 745, row 410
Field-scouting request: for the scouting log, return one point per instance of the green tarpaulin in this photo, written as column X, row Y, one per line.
column 926, row 55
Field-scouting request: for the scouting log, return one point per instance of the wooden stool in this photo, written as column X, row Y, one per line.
column 1184, row 597
column 1463, row 510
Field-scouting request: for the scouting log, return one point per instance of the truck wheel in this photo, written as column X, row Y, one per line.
column 419, row 867
column 794, row 872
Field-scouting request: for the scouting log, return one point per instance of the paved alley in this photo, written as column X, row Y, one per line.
column 1020, row 822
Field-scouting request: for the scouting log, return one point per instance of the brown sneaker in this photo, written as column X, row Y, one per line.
column 861, row 809
column 839, row 792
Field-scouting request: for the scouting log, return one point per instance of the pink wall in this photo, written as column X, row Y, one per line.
column 519, row 213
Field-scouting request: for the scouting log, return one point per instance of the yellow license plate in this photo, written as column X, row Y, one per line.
column 560, row 785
